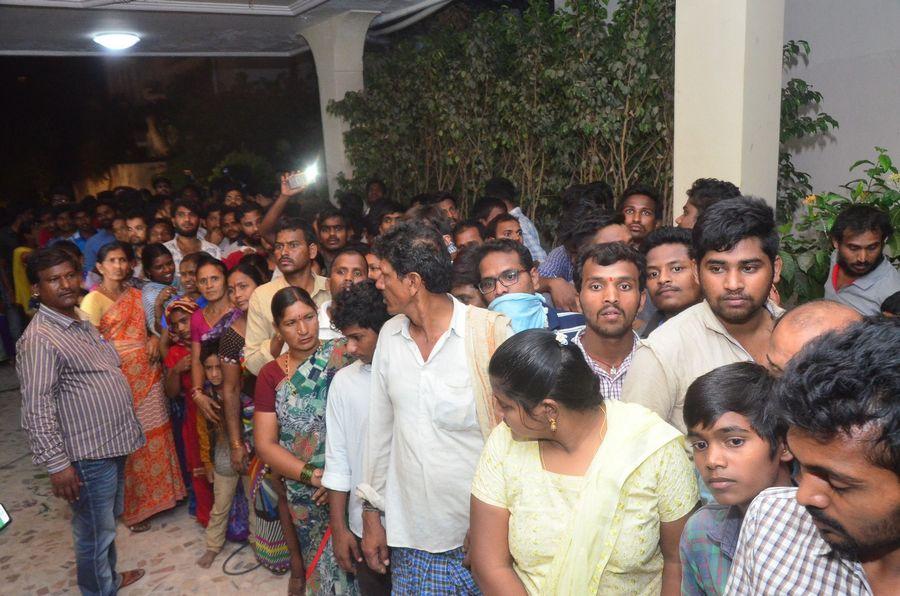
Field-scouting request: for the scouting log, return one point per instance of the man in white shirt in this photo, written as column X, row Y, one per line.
column 425, row 433
column 359, row 313
column 348, row 267
column 186, row 219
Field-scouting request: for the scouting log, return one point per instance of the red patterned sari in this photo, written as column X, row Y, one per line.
column 152, row 476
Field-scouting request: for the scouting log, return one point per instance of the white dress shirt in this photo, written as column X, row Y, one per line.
column 325, row 329
column 346, row 418
column 207, row 247
column 423, row 438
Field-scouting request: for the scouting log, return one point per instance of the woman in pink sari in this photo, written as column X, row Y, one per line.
column 152, row 477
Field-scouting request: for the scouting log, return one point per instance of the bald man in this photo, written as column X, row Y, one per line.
column 803, row 324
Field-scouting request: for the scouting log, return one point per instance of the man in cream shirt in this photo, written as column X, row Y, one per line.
column 735, row 246
column 424, row 438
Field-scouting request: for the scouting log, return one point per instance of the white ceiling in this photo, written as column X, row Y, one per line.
column 182, row 27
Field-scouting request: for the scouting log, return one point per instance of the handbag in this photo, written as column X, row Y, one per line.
column 269, row 545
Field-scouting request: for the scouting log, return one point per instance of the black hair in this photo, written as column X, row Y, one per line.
column 642, row 189
column 362, row 305
column 379, row 210
column 65, row 208
column 136, row 213
column 483, row 207
column 610, row 253
column 379, row 182
column 45, row 258
column 584, row 222
column 213, row 207
column 189, row 204
column 157, row 179
column 68, row 246
column 727, row 222
column 192, row 257
column 106, row 200
column 249, row 207
column 744, row 388
column 163, row 222
column 492, row 227
column 251, row 269
column 415, row 248
column 152, row 252
column 891, row 304
column 506, row 245
column 82, row 206
column 441, row 196
column 705, row 192
column 431, row 215
column 293, row 224
column 845, row 381
column 355, row 248
column 860, row 218
column 115, row 245
column 500, row 188
column 666, row 235
column 465, row 267
column 598, row 193
column 231, row 210
column 532, row 366
column 208, row 348
column 285, row 297
column 208, row 259
column 329, row 212
column 466, row 224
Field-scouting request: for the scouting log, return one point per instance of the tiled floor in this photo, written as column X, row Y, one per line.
column 36, row 554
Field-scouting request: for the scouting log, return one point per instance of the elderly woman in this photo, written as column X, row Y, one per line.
column 574, row 494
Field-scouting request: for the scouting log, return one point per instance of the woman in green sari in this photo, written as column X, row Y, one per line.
column 289, row 431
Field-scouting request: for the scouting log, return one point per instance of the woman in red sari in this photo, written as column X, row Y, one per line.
column 152, row 476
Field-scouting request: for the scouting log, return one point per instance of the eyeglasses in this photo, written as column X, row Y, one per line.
column 506, row 279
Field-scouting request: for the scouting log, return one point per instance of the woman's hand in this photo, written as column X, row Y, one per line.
column 163, row 296
column 183, row 365
column 153, row 348
column 208, row 407
column 276, row 345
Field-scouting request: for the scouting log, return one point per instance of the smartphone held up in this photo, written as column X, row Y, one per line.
column 305, row 177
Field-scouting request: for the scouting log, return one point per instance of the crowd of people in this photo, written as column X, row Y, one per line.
column 385, row 398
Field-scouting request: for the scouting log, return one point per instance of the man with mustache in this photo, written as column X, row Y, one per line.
column 295, row 248
column 610, row 279
column 671, row 283
column 735, row 250
column 838, row 531
column 640, row 207
column 860, row 275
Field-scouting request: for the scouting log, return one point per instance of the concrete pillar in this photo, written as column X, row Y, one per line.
column 728, row 94
column 337, row 48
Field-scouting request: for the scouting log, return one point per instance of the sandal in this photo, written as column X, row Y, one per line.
column 296, row 586
column 130, row 576
column 140, row 527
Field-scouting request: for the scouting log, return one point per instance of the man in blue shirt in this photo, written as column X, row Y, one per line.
column 104, row 213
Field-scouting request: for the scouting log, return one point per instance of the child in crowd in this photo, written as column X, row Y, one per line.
column 739, row 451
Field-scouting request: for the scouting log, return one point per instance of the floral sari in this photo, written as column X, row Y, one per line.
column 153, row 480
column 300, row 408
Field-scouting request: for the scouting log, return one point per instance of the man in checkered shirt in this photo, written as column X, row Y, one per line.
column 838, row 531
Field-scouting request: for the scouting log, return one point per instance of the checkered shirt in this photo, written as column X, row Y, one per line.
column 610, row 385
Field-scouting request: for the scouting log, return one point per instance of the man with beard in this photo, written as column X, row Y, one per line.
column 231, row 231
column 136, row 224
column 294, row 249
column 838, row 531
column 250, row 215
column 186, row 218
column 640, row 207
column 671, row 283
column 104, row 213
column 610, row 280
column 332, row 230
column 735, row 249
column 860, row 276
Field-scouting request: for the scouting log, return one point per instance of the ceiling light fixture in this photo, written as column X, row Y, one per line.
column 116, row 41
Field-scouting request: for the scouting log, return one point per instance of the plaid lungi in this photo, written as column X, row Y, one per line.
column 417, row 572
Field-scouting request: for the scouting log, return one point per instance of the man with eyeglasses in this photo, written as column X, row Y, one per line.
column 507, row 281
column 610, row 280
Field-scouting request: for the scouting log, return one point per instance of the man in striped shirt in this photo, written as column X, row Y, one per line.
column 77, row 412
column 838, row 532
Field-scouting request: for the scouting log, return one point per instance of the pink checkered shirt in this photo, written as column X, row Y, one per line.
column 610, row 381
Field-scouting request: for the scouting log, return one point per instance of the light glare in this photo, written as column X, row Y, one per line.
column 116, row 41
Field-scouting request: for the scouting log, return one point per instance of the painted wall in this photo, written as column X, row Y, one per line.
column 855, row 64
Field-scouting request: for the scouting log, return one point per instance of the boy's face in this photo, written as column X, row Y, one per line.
column 180, row 325
column 735, row 462
column 361, row 342
column 213, row 370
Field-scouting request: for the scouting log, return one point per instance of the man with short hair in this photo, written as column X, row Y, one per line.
column 250, row 217
column 610, row 279
column 231, row 231
column 136, row 224
column 385, row 215
column 358, row 314
column 65, row 227
column 162, row 186
column 161, row 231
column 507, row 281
column 294, row 249
column 81, row 215
column 446, row 202
column 838, row 531
column 861, row 277
column 672, row 285
column 468, row 233
column 332, row 230
column 505, row 190
column 735, row 247
column 485, row 209
column 428, row 400
column 466, row 277
column 104, row 213
column 186, row 219
column 641, row 208
column 505, row 226
column 78, row 415
column 704, row 193
column 375, row 191
column 801, row 325
column 348, row 267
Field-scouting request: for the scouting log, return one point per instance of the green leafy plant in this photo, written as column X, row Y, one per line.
column 806, row 247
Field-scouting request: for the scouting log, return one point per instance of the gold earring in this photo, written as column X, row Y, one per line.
column 553, row 425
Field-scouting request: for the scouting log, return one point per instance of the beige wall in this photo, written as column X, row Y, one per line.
column 136, row 175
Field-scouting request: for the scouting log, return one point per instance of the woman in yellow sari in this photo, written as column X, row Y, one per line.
column 574, row 494
column 152, row 476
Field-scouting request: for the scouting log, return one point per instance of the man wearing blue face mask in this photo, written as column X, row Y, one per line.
column 508, row 279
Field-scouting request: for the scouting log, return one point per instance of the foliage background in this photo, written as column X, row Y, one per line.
column 545, row 98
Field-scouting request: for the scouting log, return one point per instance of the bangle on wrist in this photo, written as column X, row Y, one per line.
column 306, row 474
column 237, row 445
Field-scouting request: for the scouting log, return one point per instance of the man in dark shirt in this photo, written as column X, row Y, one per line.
column 77, row 412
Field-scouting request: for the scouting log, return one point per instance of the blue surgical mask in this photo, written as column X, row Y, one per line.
column 526, row 311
